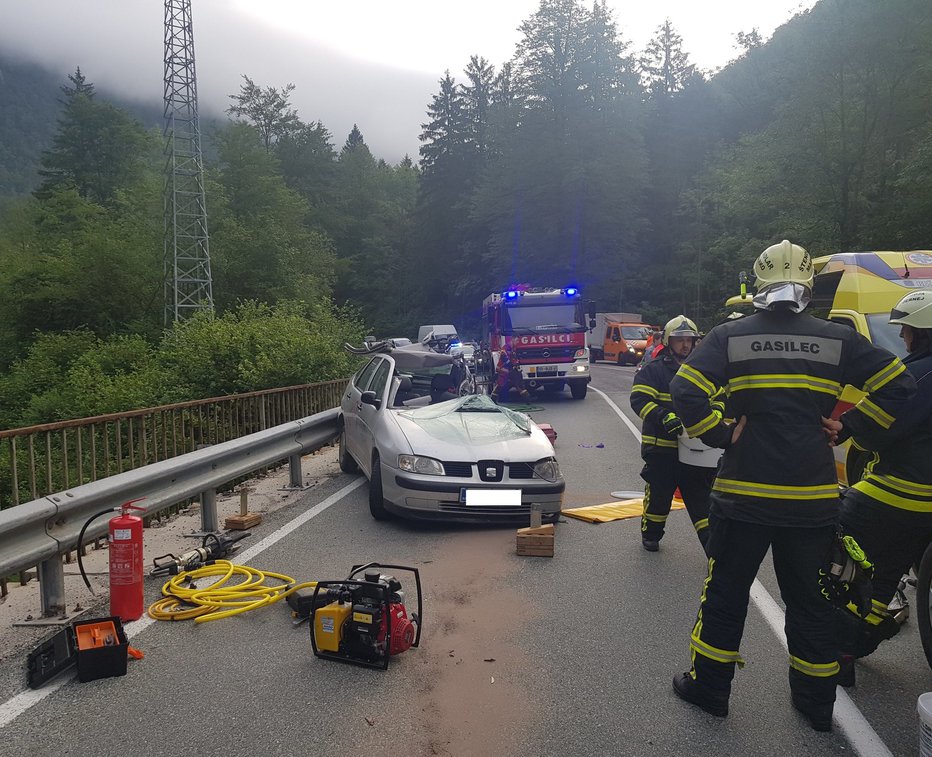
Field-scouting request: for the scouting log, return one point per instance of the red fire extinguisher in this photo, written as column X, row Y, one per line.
column 126, row 574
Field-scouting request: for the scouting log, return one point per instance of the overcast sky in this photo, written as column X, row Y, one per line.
column 371, row 62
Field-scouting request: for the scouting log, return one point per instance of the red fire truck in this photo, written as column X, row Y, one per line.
column 546, row 329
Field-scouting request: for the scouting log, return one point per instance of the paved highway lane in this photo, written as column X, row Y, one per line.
column 519, row 656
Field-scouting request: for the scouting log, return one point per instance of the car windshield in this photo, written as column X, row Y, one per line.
column 532, row 318
column 885, row 334
column 634, row 332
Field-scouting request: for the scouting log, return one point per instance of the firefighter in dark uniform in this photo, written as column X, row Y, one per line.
column 889, row 511
column 663, row 472
column 776, row 486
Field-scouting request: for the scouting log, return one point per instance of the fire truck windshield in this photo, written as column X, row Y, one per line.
column 534, row 318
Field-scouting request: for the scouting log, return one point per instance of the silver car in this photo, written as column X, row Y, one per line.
column 429, row 454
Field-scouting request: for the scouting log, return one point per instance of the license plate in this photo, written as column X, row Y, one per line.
column 547, row 370
column 490, row 497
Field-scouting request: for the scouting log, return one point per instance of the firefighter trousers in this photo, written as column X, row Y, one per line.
column 893, row 539
column 663, row 474
column 736, row 550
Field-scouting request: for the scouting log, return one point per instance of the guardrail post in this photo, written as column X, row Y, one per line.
column 294, row 472
column 210, row 523
column 52, row 587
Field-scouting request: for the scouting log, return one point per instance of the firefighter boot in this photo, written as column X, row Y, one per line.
column 650, row 545
column 819, row 714
column 689, row 690
column 814, row 698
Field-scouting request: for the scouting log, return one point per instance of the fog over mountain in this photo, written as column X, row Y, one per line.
column 119, row 46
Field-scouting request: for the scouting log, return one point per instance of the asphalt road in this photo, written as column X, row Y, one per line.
column 572, row 655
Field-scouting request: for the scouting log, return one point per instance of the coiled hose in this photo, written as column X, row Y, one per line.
column 223, row 598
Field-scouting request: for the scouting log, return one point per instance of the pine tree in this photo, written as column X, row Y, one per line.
column 477, row 99
column 665, row 65
column 97, row 149
column 444, row 135
column 354, row 142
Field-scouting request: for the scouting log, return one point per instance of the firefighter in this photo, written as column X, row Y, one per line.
column 507, row 377
column 663, row 472
column 776, row 486
column 889, row 511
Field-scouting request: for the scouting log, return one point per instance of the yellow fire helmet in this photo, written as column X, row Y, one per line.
column 784, row 263
column 915, row 310
column 679, row 326
column 783, row 273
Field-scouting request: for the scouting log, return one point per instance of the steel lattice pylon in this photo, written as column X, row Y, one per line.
column 188, row 286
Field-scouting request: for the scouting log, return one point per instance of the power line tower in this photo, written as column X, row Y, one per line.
column 188, row 286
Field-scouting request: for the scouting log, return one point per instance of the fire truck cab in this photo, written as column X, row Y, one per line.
column 546, row 329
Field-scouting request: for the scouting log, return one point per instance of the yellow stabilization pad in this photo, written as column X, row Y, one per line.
column 629, row 508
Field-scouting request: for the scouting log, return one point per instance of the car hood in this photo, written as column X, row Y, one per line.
column 474, row 422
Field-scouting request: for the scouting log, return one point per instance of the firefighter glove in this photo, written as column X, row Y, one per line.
column 672, row 424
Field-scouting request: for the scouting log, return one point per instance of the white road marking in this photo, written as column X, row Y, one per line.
column 850, row 721
column 17, row 705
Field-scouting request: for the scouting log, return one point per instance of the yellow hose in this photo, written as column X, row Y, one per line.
column 223, row 598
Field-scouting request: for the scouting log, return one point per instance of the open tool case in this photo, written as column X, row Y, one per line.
column 97, row 646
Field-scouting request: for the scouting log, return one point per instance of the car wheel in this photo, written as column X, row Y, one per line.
column 347, row 463
column 376, row 500
column 578, row 389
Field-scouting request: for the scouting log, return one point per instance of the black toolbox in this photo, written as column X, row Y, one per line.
column 97, row 646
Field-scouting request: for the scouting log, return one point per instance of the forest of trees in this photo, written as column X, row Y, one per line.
column 633, row 174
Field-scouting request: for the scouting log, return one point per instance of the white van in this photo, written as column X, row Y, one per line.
column 438, row 330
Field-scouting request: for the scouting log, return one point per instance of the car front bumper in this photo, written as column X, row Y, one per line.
column 439, row 498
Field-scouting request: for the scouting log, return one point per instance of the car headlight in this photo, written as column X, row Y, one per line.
column 417, row 464
column 547, row 469
column 630, row 349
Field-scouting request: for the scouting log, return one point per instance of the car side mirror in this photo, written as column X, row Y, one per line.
column 591, row 311
column 370, row 398
column 592, row 323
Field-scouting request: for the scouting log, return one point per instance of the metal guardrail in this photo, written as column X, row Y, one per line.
column 39, row 532
column 38, row 460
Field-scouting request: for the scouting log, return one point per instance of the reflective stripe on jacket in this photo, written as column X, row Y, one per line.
column 651, row 400
column 900, row 473
column 784, row 372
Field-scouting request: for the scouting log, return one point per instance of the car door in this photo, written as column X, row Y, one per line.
column 612, row 344
column 369, row 418
column 350, row 405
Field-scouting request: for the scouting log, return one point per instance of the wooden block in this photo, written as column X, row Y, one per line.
column 531, row 539
column 546, row 529
column 537, row 542
column 242, row 522
column 535, row 551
